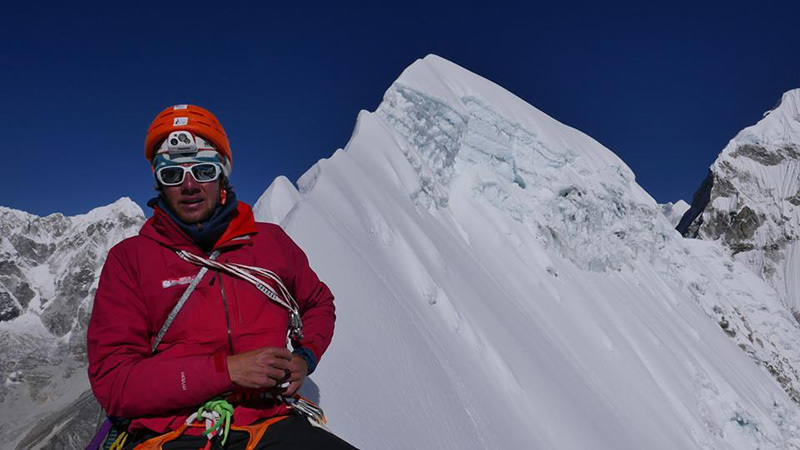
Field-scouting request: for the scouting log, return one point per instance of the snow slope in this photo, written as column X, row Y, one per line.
column 503, row 282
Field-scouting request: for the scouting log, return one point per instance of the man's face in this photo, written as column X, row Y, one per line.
column 192, row 201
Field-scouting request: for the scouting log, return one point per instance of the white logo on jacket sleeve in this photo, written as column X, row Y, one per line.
column 176, row 281
column 183, row 381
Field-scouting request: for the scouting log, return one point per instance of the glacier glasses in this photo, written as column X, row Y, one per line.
column 202, row 173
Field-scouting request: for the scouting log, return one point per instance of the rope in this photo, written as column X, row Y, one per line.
column 248, row 273
column 216, row 413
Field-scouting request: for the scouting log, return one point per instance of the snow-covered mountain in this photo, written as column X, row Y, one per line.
column 48, row 274
column 503, row 282
column 750, row 202
column 674, row 211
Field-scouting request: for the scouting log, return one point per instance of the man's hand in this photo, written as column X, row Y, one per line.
column 299, row 371
column 265, row 367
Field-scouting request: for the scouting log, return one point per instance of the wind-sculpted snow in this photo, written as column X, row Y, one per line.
column 48, row 274
column 540, row 186
column 503, row 282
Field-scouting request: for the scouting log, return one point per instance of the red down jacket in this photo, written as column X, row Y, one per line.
column 143, row 279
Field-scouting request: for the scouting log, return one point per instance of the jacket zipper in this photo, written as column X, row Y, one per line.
column 227, row 316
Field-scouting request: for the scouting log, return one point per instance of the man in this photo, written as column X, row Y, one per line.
column 198, row 310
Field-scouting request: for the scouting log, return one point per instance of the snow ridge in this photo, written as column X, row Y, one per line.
column 539, row 296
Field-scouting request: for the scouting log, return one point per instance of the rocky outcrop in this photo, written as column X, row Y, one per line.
column 750, row 204
column 692, row 219
column 753, row 205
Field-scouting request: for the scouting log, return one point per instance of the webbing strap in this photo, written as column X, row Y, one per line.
column 248, row 274
column 177, row 308
column 256, row 432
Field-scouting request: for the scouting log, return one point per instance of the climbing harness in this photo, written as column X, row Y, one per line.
column 213, row 420
column 297, row 403
column 216, row 414
column 215, row 417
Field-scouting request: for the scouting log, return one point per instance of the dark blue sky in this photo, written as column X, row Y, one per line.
column 664, row 85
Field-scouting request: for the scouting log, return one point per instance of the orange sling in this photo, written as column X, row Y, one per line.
column 256, row 432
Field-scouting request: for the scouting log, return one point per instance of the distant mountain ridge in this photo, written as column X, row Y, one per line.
column 48, row 274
